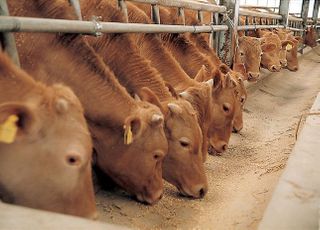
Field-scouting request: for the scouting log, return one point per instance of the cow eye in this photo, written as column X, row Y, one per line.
column 226, row 107
column 261, row 54
column 184, row 142
column 241, row 53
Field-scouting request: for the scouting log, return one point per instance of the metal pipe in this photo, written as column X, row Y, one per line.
column 182, row 15
column 295, row 19
column 9, row 43
column 254, row 27
column 77, row 8
column 123, row 7
column 45, row 25
column 155, row 15
column 259, row 7
column 185, row 4
column 315, row 11
column 295, row 29
column 246, row 12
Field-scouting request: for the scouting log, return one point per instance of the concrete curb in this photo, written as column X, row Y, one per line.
column 16, row 217
column 295, row 203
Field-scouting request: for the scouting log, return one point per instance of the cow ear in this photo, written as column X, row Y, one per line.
column 202, row 74
column 147, row 95
column 224, row 68
column 16, row 120
column 229, row 82
column 132, row 128
column 268, row 47
column 287, row 44
column 216, row 83
column 171, row 90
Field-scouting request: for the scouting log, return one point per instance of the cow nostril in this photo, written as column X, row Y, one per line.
column 224, row 147
column 202, row 193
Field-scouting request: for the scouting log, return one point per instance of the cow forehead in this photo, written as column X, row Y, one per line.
column 250, row 44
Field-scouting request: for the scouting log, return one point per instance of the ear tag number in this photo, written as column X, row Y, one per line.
column 288, row 47
column 8, row 129
column 127, row 135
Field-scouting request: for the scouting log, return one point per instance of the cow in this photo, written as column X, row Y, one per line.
column 128, row 134
column 289, row 53
column 310, row 38
column 182, row 166
column 45, row 145
column 179, row 56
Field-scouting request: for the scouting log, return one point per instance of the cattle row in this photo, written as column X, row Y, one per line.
column 139, row 107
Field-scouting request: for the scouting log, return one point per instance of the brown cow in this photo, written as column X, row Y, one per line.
column 188, row 57
column 271, row 47
column 311, row 37
column 128, row 135
column 46, row 163
column 201, row 42
column 183, row 165
column 289, row 53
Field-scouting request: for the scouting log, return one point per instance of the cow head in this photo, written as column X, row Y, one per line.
column 47, row 163
column 183, row 165
column 241, row 97
column 223, row 94
column 292, row 52
column 248, row 54
column 141, row 148
column 271, row 47
column 311, row 37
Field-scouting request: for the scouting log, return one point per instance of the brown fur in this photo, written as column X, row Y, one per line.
column 134, row 72
column 108, row 107
column 50, row 117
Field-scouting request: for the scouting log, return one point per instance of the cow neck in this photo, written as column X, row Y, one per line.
column 188, row 56
column 201, row 104
column 132, row 70
column 171, row 71
column 13, row 78
column 79, row 66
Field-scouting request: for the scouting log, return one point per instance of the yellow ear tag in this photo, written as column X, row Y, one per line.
column 288, row 47
column 8, row 129
column 127, row 135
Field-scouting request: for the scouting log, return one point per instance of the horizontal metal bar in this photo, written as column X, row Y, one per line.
column 45, row 25
column 294, row 29
column 252, row 13
column 295, row 19
column 254, row 27
column 186, row 4
column 259, row 7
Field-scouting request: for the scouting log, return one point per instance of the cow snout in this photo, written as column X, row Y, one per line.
column 283, row 63
column 197, row 191
column 94, row 216
column 150, row 198
column 252, row 76
column 237, row 129
column 294, row 68
column 275, row 68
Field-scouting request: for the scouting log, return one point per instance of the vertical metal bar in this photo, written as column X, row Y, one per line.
column 216, row 36
column 155, row 15
column 315, row 11
column 181, row 14
column 304, row 15
column 77, row 8
column 9, row 43
column 227, row 39
column 122, row 5
column 212, row 34
column 284, row 12
column 200, row 16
